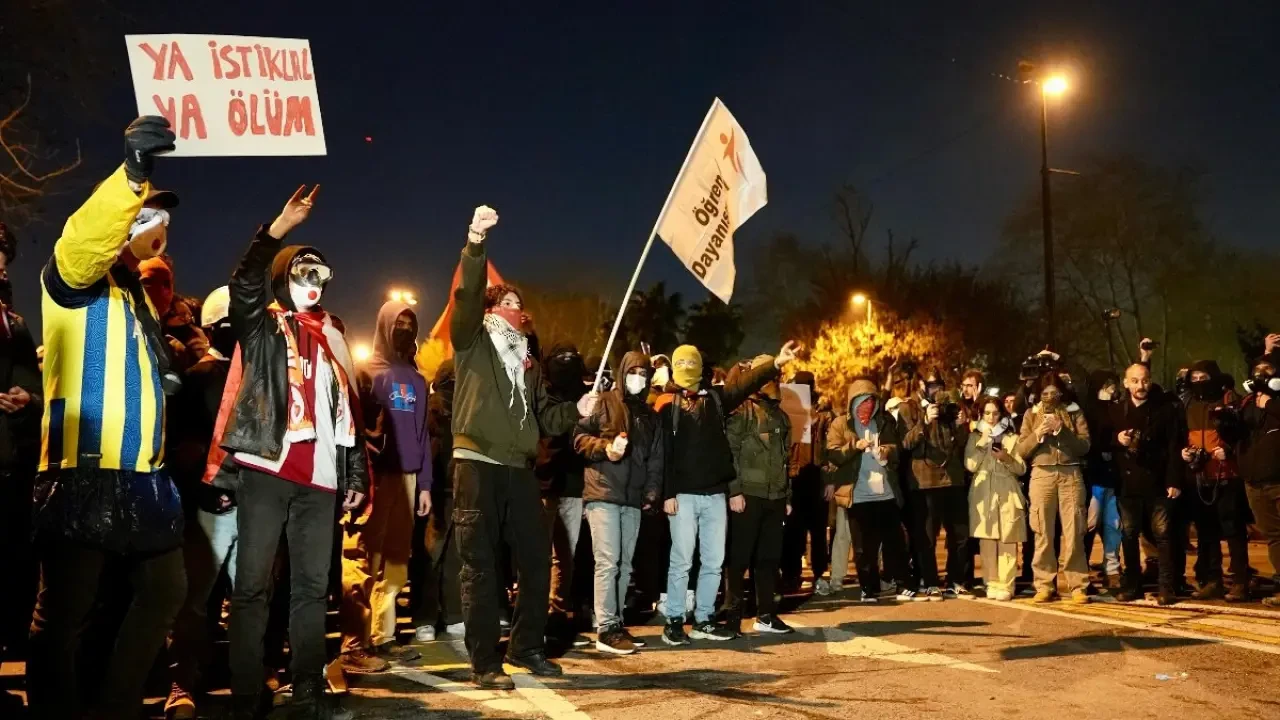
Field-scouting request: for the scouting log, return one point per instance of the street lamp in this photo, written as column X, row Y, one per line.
column 858, row 300
column 403, row 296
column 362, row 352
column 1050, row 85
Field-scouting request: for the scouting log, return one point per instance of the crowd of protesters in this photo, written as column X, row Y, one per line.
column 180, row 453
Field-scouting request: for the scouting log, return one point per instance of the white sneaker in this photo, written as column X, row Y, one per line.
column 909, row 595
column 1000, row 595
column 456, row 629
column 934, row 594
column 822, row 587
column 425, row 634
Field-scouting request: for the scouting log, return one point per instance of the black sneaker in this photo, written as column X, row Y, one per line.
column 634, row 640
column 1166, row 597
column 708, row 630
column 673, row 634
column 1129, row 594
column 772, row 624
column 614, row 642
column 395, row 652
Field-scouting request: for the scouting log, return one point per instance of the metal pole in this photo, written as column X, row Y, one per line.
column 1048, row 219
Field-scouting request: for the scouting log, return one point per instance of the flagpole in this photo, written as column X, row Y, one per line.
column 635, row 276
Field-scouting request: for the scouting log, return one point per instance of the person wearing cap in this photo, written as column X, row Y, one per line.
column 20, row 407
column 212, row 534
column 698, row 467
column 104, row 494
column 289, row 423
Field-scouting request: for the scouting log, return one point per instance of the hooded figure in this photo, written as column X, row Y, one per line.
column 394, row 397
column 623, row 445
column 289, row 421
column 863, row 444
column 560, row 473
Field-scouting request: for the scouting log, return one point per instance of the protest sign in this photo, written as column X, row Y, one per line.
column 798, row 405
column 229, row 94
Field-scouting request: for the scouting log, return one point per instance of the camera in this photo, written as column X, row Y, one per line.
column 1198, row 458
column 1263, row 383
column 1039, row 364
column 1149, row 345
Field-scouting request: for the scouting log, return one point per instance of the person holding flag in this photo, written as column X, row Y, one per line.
column 500, row 409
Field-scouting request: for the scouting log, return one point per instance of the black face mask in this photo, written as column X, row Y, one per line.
column 6, row 291
column 402, row 340
column 1203, row 390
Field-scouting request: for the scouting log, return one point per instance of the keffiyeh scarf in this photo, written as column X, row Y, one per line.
column 513, row 350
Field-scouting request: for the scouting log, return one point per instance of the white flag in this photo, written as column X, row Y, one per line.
column 721, row 185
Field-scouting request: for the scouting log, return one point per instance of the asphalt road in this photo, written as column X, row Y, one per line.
column 955, row 659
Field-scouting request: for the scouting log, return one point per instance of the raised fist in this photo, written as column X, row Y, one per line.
column 146, row 137
column 484, row 218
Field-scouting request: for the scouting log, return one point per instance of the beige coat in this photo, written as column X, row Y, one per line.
column 997, row 507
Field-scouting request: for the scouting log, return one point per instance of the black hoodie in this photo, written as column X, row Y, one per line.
column 559, row 468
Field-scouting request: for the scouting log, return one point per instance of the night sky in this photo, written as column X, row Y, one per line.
column 573, row 123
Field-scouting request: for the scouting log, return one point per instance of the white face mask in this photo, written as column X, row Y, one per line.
column 636, row 384
column 304, row 298
column 662, row 376
column 149, row 233
column 1105, row 395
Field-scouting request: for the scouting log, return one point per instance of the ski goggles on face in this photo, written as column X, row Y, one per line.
column 309, row 271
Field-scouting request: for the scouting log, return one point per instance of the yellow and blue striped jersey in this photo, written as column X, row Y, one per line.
column 105, row 406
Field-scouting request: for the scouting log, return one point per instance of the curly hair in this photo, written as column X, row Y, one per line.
column 494, row 294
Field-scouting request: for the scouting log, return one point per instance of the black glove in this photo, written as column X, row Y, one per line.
column 145, row 138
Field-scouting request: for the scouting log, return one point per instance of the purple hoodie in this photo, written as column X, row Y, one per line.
column 396, row 395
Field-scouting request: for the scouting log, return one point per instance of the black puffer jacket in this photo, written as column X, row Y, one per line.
column 257, row 424
column 636, row 480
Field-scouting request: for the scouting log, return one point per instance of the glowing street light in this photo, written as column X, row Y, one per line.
column 362, row 352
column 1054, row 85
column 858, row 300
column 403, row 296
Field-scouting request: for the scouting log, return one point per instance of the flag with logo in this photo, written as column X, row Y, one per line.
column 720, row 186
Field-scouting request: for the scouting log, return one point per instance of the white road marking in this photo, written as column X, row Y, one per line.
column 534, row 696
column 1151, row 627
column 843, row 642
column 546, row 700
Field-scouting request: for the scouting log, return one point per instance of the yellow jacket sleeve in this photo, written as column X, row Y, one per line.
column 92, row 238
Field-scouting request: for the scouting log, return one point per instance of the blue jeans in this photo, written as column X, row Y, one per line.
column 614, row 529
column 704, row 520
column 1104, row 519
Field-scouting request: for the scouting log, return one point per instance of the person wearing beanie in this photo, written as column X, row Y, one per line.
column 1219, row 502
column 290, row 444
column 864, row 444
column 697, row 471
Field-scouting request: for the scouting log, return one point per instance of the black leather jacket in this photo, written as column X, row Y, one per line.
column 257, row 423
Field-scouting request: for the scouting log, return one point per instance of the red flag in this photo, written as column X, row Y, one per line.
column 438, row 347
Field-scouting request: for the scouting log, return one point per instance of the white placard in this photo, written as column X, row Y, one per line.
column 230, row 95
